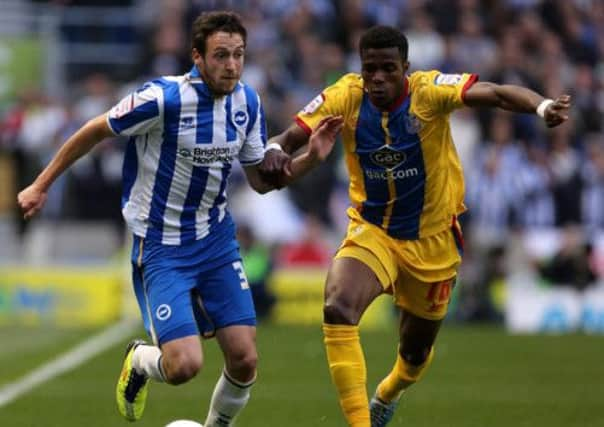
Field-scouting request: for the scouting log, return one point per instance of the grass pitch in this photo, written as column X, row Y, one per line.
column 481, row 377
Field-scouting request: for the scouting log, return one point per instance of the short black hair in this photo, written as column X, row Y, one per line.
column 209, row 23
column 382, row 36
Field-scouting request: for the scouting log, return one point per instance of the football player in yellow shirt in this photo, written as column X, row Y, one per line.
column 406, row 191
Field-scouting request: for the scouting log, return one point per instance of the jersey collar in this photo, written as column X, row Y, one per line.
column 399, row 101
column 194, row 74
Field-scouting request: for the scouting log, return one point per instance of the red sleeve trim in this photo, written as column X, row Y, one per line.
column 303, row 125
column 473, row 79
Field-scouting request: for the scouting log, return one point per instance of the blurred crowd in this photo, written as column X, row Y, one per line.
column 521, row 177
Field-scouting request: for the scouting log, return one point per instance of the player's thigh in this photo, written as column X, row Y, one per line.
column 222, row 298
column 350, row 287
column 168, row 301
column 425, row 300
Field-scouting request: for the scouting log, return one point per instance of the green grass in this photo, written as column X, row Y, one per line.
column 480, row 377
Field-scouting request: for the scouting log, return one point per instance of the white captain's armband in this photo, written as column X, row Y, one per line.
column 447, row 79
column 313, row 105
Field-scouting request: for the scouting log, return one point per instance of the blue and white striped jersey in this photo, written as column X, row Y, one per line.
column 183, row 142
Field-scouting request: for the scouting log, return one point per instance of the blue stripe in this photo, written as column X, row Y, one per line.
column 263, row 132
column 167, row 158
column 231, row 131
column 143, row 112
column 410, row 187
column 369, row 137
column 129, row 169
column 139, row 283
column 205, row 116
column 220, row 197
column 199, row 180
column 251, row 99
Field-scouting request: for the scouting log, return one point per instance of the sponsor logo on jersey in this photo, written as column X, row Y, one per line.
column 313, row 105
column 388, row 157
column 186, row 123
column 240, row 118
column 395, row 174
column 204, row 156
column 447, row 79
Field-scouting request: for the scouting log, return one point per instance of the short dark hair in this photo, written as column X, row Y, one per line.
column 209, row 23
column 382, row 36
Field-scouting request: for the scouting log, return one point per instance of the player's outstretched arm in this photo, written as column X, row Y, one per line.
column 33, row 197
column 520, row 100
column 277, row 159
column 320, row 144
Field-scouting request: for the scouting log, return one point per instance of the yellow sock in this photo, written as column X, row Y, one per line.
column 403, row 375
column 348, row 371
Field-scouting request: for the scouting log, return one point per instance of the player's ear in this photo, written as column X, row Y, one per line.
column 406, row 65
column 195, row 55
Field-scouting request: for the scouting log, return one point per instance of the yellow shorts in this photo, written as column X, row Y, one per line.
column 420, row 274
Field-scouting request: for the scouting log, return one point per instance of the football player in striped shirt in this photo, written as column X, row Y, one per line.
column 406, row 191
column 185, row 133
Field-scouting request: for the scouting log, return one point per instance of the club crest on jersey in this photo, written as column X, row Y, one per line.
column 313, row 105
column 412, row 123
column 240, row 118
column 388, row 158
column 163, row 312
column 447, row 79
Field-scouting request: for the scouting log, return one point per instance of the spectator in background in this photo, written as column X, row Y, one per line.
column 311, row 250
column 258, row 264
column 572, row 264
column 592, row 200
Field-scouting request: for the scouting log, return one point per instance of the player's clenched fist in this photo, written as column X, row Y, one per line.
column 31, row 200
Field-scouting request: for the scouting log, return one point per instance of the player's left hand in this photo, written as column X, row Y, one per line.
column 557, row 112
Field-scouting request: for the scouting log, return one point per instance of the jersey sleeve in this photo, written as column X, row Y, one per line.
column 138, row 112
column 333, row 101
column 252, row 151
column 440, row 93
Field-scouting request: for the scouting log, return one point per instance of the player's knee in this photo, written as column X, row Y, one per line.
column 242, row 365
column 414, row 355
column 338, row 313
column 182, row 368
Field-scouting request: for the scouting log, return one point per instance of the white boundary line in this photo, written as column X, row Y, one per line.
column 68, row 361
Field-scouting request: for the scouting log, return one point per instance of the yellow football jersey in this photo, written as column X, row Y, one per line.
column 405, row 175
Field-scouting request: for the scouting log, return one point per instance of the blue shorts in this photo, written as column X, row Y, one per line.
column 190, row 289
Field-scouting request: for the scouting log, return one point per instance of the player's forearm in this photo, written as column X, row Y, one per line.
column 290, row 140
column 517, row 99
column 75, row 147
column 300, row 166
column 508, row 97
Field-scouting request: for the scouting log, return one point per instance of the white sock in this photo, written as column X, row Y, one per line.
column 228, row 399
column 147, row 360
